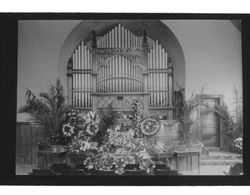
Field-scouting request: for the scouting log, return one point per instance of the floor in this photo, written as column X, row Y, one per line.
column 217, row 163
column 24, row 169
column 204, row 169
column 214, row 169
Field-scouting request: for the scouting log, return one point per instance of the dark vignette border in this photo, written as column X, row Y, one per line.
column 8, row 97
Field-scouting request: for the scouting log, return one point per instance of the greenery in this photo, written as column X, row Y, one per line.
column 82, row 129
column 122, row 143
column 233, row 123
column 136, row 117
column 108, row 120
column 48, row 109
column 238, row 112
column 185, row 108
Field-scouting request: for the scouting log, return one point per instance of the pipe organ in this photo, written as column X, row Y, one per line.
column 118, row 67
column 159, row 77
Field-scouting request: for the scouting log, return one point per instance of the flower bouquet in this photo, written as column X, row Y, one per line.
column 81, row 129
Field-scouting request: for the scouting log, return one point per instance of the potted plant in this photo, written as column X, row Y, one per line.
column 48, row 110
column 185, row 109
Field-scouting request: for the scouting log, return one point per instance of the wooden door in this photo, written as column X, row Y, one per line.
column 210, row 124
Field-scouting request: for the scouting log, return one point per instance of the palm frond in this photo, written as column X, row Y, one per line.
column 221, row 110
column 47, row 98
column 30, row 95
column 49, row 109
column 60, row 115
column 185, row 109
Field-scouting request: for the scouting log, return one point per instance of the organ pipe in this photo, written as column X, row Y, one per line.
column 156, row 55
column 116, row 38
column 114, row 74
column 120, row 74
column 160, row 58
column 128, row 34
column 119, row 37
column 113, row 37
column 82, row 82
column 125, row 38
column 73, row 93
column 159, row 83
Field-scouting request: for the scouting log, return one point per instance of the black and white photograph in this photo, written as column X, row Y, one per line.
column 134, row 97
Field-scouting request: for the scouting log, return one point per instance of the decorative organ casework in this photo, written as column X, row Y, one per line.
column 118, row 74
column 120, row 64
column 119, row 57
column 160, row 77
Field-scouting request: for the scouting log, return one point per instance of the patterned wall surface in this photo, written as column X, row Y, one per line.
column 118, row 103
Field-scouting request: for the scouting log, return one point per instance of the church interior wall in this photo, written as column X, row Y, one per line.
column 212, row 52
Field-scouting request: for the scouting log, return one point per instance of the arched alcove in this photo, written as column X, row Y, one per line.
column 155, row 29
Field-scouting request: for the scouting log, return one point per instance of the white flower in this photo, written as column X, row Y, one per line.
column 131, row 132
column 143, row 154
column 117, row 128
column 67, row 129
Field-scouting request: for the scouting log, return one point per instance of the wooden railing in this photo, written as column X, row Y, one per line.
column 28, row 136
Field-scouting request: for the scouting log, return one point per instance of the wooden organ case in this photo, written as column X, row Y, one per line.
column 117, row 68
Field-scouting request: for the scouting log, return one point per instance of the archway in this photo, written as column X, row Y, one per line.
column 156, row 30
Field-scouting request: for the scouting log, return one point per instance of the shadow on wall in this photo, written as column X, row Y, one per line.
column 155, row 30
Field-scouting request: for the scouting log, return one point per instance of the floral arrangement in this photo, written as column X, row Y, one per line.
column 238, row 143
column 81, row 128
column 124, row 142
column 150, row 126
column 100, row 161
column 126, row 148
column 136, row 117
column 129, row 141
column 112, row 162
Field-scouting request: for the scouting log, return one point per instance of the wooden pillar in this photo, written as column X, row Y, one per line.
column 70, row 80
